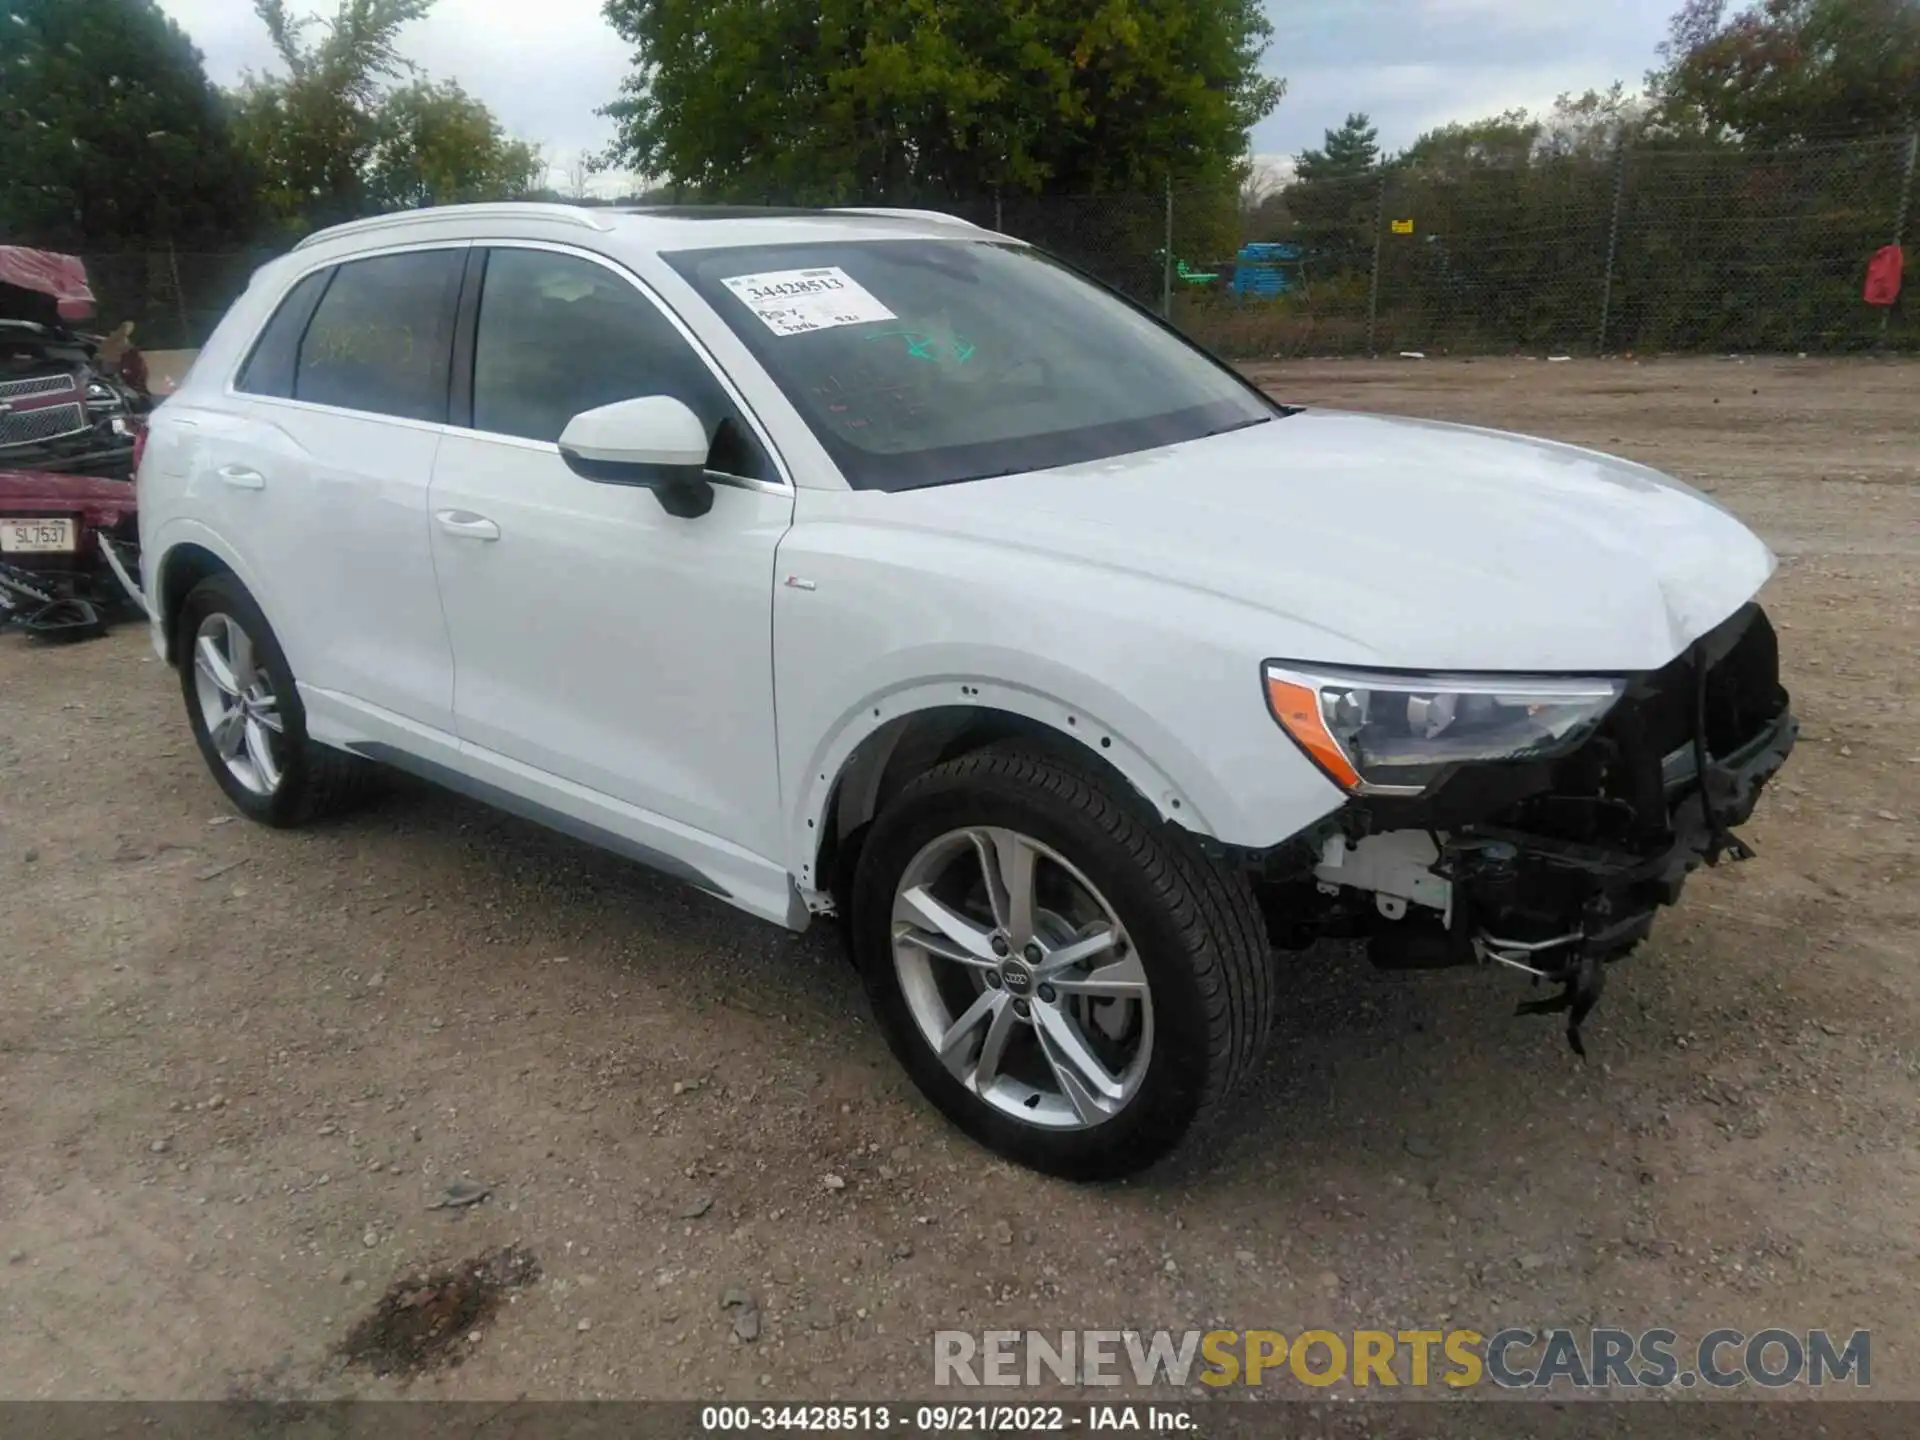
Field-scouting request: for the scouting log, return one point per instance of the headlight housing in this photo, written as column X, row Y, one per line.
column 1384, row 734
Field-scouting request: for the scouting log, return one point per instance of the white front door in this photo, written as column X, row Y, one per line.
column 598, row 641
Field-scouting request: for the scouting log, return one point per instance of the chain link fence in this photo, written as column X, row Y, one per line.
column 1649, row 249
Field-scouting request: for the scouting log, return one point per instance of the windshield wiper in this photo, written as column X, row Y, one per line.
column 995, row 474
column 1242, row 425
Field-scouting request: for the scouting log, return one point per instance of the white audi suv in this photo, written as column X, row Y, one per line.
column 870, row 564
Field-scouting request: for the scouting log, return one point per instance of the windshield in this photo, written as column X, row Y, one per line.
column 923, row 362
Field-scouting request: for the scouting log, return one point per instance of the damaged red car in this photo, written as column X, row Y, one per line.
column 72, row 419
column 70, row 400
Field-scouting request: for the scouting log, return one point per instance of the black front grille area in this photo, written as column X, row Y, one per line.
column 1743, row 689
column 1744, row 694
column 62, row 384
column 1616, row 791
column 47, row 422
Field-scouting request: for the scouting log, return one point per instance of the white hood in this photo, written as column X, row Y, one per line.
column 1391, row 542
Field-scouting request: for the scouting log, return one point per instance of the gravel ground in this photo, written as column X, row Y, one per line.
column 238, row 1064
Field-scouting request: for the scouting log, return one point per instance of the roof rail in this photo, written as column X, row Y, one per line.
column 498, row 210
column 893, row 212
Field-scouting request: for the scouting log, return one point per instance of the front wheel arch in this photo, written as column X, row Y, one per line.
column 894, row 751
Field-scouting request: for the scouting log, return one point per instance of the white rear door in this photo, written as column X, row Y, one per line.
column 320, row 476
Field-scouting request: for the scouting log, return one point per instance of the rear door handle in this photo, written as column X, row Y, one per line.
column 467, row 525
column 241, row 478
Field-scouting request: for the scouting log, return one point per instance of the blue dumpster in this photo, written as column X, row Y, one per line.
column 1258, row 272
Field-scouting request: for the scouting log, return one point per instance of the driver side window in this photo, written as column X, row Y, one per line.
column 557, row 335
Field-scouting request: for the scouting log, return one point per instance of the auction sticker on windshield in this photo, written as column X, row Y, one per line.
column 793, row 302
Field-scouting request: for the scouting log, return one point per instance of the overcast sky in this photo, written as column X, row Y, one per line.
column 1411, row 64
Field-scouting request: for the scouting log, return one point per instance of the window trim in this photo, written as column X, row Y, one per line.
column 260, row 337
column 467, row 312
column 229, row 387
column 469, row 331
column 466, row 331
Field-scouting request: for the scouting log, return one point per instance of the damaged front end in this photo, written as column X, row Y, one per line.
column 60, row 410
column 1552, row 865
column 70, row 402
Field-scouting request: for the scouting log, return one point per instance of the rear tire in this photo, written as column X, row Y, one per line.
column 1087, row 1068
column 246, row 714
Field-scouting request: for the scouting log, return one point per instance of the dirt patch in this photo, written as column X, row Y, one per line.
column 427, row 1321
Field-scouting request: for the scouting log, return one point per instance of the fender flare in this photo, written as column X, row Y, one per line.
column 1086, row 726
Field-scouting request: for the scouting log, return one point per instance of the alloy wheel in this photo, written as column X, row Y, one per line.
column 238, row 704
column 1021, row 978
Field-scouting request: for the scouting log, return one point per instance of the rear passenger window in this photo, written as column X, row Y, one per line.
column 558, row 335
column 382, row 338
column 269, row 370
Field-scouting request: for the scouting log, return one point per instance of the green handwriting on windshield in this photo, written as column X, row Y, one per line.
column 949, row 349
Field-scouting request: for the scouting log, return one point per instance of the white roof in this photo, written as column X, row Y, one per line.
column 657, row 227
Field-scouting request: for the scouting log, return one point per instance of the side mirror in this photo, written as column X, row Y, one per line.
column 655, row 442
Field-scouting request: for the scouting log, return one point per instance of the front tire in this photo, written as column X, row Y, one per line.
column 247, row 717
column 1069, row 980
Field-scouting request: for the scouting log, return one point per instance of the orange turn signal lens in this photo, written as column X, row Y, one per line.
column 1297, row 708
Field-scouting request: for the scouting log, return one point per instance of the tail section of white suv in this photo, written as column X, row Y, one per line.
column 875, row 565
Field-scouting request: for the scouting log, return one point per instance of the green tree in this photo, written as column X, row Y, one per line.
column 437, row 145
column 1506, row 141
column 337, row 137
column 312, row 132
column 853, row 99
column 112, row 135
column 1784, row 71
column 1594, row 123
column 1350, row 152
column 1333, row 203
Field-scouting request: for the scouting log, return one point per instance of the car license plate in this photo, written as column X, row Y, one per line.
column 35, row 537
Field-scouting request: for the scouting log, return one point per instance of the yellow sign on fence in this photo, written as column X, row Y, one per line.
column 1403, row 227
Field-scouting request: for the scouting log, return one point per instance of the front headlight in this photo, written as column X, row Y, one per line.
column 1381, row 734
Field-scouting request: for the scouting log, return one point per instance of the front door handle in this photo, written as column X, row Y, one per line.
column 241, row 477
column 467, row 525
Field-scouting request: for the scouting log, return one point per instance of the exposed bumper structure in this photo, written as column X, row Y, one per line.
column 1556, row 868
column 1619, row 891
